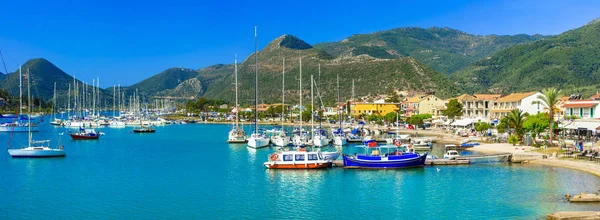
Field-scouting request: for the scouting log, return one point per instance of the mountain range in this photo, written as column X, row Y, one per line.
column 441, row 61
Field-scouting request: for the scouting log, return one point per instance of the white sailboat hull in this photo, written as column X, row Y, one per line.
column 320, row 141
column 300, row 141
column 36, row 152
column 257, row 142
column 236, row 136
column 340, row 141
column 281, row 141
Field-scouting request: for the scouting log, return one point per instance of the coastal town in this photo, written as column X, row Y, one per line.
column 347, row 110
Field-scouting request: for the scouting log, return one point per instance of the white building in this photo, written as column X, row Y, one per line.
column 584, row 109
column 526, row 101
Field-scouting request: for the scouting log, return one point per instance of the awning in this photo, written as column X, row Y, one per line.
column 592, row 126
column 462, row 122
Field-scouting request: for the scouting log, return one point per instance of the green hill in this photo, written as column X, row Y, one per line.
column 372, row 75
column 568, row 61
column 43, row 76
column 443, row 49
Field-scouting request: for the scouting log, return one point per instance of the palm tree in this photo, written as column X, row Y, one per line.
column 550, row 98
column 515, row 121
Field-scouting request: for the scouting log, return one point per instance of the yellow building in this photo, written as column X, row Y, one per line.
column 373, row 108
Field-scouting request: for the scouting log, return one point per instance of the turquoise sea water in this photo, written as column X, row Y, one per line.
column 190, row 172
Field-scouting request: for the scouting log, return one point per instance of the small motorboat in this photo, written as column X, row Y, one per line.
column 144, row 130
column 301, row 159
column 451, row 154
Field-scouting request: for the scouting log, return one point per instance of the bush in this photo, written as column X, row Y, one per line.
column 513, row 139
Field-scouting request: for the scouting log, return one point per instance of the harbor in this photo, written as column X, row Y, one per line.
column 162, row 175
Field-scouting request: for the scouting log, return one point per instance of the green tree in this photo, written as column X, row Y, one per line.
column 503, row 125
column 482, row 126
column 454, row 109
column 536, row 123
column 513, row 139
column 550, row 98
column 516, row 118
column 391, row 117
column 418, row 119
column 374, row 118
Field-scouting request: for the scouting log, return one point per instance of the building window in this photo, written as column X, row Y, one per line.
column 570, row 111
column 592, row 112
column 581, row 112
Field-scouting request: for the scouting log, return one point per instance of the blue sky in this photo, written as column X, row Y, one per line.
column 128, row 42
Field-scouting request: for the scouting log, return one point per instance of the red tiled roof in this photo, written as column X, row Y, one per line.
column 580, row 105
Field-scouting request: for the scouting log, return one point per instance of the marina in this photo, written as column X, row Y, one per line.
column 166, row 177
column 331, row 111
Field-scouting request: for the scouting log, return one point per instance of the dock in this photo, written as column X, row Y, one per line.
column 442, row 162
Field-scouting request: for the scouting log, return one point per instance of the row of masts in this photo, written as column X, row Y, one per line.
column 83, row 98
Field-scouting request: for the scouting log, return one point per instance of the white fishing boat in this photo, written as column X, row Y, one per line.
column 236, row 135
column 36, row 148
column 297, row 160
column 257, row 139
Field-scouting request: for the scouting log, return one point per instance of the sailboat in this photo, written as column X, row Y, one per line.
column 300, row 138
column 257, row 139
column 280, row 138
column 142, row 129
column 55, row 120
column 319, row 135
column 339, row 137
column 17, row 124
column 35, row 148
column 236, row 135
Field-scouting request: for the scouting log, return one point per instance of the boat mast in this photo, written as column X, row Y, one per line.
column 301, row 108
column 29, row 105
column 54, row 104
column 237, row 109
column 69, row 102
column 319, row 95
column 312, row 105
column 114, row 101
column 93, row 98
column 338, row 104
column 255, row 82
column 20, row 91
column 283, row 96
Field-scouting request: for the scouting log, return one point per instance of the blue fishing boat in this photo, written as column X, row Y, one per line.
column 393, row 159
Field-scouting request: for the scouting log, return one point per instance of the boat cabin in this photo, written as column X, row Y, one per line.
column 295, row 156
